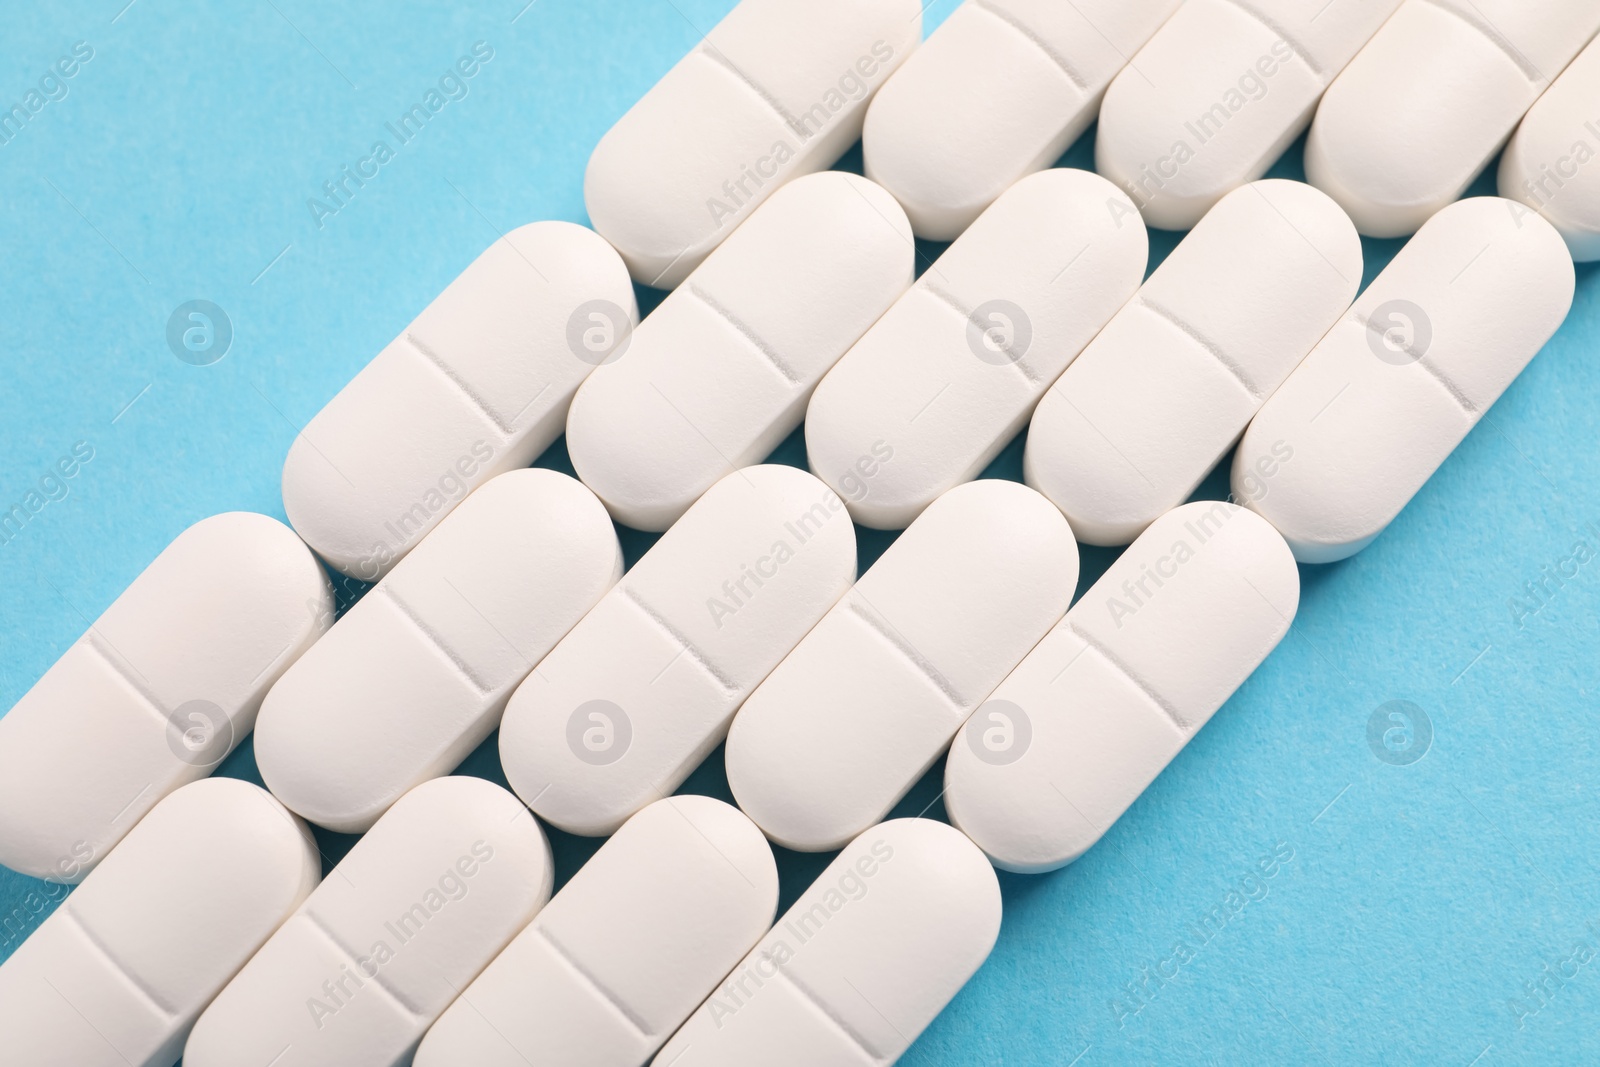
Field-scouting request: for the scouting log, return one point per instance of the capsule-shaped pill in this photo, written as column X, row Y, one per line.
column 625, row 952
column 953, row 370
column 997, row 92
column 417, row 673
column 851, row 719
column 118, row 974
column 407, row 919
column 477, row 385
column 1156, row 400
column 1217, row 95
column 1424, row 107
column 1550, row 163
column 163, row 686
column 1387, row 395
column 720, row 373
column 641, row 690
column 861, row 964
column 1072, row 736
column 777, row 89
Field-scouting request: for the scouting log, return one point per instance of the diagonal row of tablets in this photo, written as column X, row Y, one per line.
column 502, row 601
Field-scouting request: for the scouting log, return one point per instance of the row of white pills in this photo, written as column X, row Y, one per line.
column 424, row 621
column 1196, row 99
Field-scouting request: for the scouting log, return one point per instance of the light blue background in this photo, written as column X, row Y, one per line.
column 1420, row 899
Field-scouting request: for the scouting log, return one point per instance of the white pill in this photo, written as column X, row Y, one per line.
column 118, row 974
column 477, row 385
column 407, row 919
column 861, row 964
column 1424, row 107
column 997, row 92
column 847, row 723
column 1072, row 737
column 163, row 686
column 953, row 370
column 720, row 373
column 625, row 952
column 1219, row 93
column 1387, row 395
column 777, row 89
column 416, row 675
column 1135, row 424
column 642, row 689
column 1551, row 163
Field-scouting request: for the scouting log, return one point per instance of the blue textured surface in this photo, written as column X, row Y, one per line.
column 1423, row 903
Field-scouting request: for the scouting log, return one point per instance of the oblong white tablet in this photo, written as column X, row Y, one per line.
column 1156, row 400
column 1072, row 737
column 861, row 964
column 1424, row 107
column 377, row 952
column 417, row 673
column 118, row 974
column 1551, row 163
column 720, row 373
column 997, row 92
column 625, row 952
column 777, row 89
column 163, row 686
column 642, row 689
column 952, row 371
column 477, row 385
column 1217, row 95
column 863, row 706
column 1387, row 395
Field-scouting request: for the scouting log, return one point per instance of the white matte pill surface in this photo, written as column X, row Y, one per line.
column 997, row 92
column 417, row 673
column 777, row 89
column 1072, row 737
column 118, row 974
column 865, row 704
column 1424, row 107
column 628, row 948
column 1553, row 162
column 163, row 686
column 642, row 689
column 1387, row 395
column 953, row 370
column 1217, row 95
column 1156, row 400
column 477, row 385
column 377, row 952
column 718, row 375
column 861, row 963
